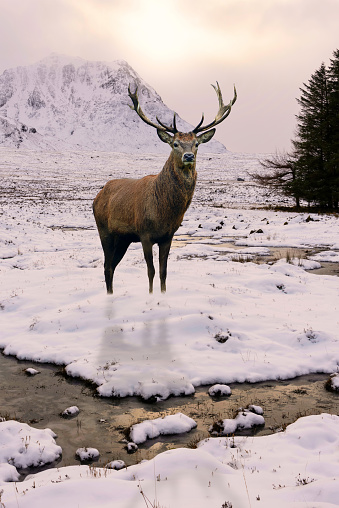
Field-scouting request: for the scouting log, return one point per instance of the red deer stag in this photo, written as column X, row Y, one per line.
column 150, row 210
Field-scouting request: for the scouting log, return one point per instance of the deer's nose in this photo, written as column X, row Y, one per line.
column 188, row 157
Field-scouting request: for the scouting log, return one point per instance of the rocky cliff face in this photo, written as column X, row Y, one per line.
column 71, row 103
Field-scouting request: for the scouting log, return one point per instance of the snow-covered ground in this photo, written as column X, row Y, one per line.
column 220, row 321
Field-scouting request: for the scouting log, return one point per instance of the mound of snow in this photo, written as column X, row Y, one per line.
column 245, row 419
column 219, row 390
column 71, row 411
column 23, row 446
column 116, row 464
column 87, row 453
column 32, row 372
column 172, row 424
column 333, row 383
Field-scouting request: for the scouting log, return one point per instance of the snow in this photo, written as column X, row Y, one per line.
column 246, row 418
column 294, row 468
column 334, row 382
column 8, row 473
column 62, row 103
column 131, row 447
column 221, row 321
column 23, row 446
column 172, row 424
column 327, row 255
column 71, row 411
column 87, row 454
column 31, row 372
column 116, row 464
column 256, row 409
column 219, row 390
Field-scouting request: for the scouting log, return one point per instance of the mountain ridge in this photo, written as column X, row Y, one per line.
column 71, row 103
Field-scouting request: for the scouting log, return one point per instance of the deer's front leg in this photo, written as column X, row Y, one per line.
column 147, row 248
column 164, row 249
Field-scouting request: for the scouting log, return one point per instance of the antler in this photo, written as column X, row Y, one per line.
column 223, row 112
column 136, row 107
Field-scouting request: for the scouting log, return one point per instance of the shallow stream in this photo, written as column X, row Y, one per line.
column 39, row 400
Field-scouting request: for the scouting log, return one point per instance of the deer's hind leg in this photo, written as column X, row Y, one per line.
column 115, row 248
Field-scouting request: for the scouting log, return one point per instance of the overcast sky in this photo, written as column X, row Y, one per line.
column 268, row 48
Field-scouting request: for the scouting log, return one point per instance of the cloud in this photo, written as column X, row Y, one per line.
column 267, row 48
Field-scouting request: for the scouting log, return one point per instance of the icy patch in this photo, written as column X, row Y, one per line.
column 306, row 264
column 23, row 446
column 331, row 256
column 172, row 424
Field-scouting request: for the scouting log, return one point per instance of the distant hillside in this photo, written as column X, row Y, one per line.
column 70, row 103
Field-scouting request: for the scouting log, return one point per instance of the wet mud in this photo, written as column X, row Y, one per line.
column 102, row 422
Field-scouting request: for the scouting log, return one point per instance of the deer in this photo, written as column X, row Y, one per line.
column 151, row 209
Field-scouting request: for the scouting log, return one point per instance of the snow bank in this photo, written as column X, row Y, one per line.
column 8, row 473
column 23, row 446
column 289, row 468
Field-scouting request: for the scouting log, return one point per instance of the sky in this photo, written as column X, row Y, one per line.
column 267, row 48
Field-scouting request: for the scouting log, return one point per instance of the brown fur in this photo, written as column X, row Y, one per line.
column 148, row 210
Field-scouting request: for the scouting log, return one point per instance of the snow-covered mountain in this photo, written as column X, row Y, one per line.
column 70, row 103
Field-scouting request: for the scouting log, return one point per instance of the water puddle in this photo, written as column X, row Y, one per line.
column 39, row 400
column 274, row 254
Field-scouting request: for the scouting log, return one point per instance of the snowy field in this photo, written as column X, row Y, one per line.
column 221, row 321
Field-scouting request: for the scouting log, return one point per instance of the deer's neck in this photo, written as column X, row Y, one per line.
column 179, row 174
column 176, row 183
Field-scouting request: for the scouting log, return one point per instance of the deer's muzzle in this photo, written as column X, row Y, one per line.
column 188, row 157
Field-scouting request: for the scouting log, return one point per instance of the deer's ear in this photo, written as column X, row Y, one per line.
column 206, row 136
column 164, row 136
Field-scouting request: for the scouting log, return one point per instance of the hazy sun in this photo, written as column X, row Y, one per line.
column 158, row 31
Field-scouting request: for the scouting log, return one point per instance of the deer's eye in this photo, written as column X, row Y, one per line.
column 175, row 144
column 196, row 145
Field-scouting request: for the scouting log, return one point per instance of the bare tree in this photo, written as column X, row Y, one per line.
column 280, row 177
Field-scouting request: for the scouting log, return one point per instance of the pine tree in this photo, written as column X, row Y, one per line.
column 311, row 170
column 333, row 81
column 312, row 144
